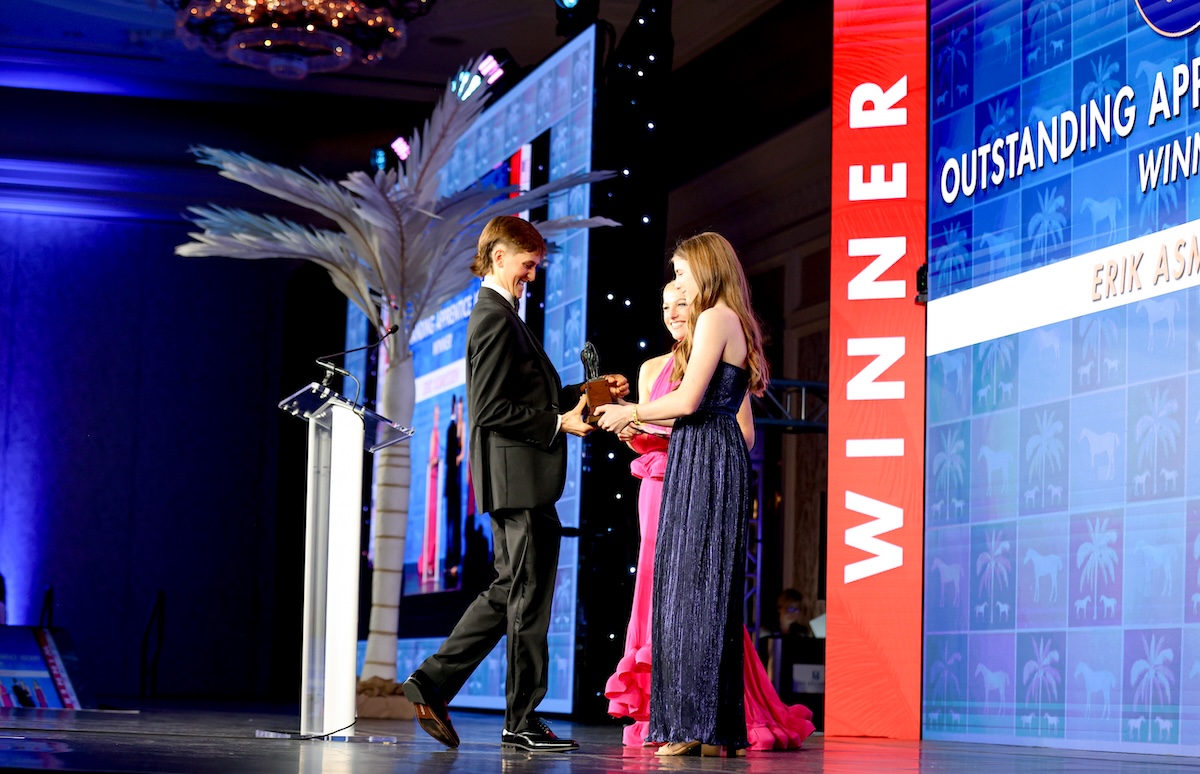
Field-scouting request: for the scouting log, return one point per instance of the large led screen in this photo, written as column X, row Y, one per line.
column 448, row 540
column 1062, row 593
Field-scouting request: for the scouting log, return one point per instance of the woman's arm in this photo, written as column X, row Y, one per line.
column 713, row 331
column 715, row 328
column 745, row 419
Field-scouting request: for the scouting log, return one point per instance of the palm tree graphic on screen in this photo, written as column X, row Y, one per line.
column 1099, row 334
column 1102, row 82
column 952, row 256
column 1044, row 448
column 1097, row 558
column 1040, row 676
column 953, row 52
column 949, row 464
column 995, row 355
column 992, row 566
column 1046, row 225
column 1159, row 197
column 1000, row 118
column 1151, row 678
column 1157, row 427
column 1040, row 10
column 943, row 676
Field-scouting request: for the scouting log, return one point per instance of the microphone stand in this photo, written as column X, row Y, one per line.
column 330, row 369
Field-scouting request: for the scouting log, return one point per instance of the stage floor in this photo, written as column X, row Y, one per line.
column 187, row 741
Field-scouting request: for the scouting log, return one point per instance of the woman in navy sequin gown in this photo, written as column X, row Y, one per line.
column 697, row 689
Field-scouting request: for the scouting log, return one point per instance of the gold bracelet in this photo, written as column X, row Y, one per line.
column 635, row 419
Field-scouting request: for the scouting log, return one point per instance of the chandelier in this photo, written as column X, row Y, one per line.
column 292, row 38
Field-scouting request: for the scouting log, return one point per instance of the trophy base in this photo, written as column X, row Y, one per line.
column 598, row 394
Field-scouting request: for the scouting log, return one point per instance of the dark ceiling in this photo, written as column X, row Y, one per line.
column 130, row 46
column 107, row 80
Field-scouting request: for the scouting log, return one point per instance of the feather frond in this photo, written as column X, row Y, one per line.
column 430, row 150
column 235, row 233
column 565, row 227
column 452, row 242
column 398, row 241
column 301, row 188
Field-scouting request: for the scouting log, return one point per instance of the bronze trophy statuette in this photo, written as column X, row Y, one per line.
column 594, row 385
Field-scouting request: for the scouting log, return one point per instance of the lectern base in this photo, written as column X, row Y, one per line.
column 296, row 735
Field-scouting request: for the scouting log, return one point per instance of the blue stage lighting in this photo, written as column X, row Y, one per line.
column 574, row 16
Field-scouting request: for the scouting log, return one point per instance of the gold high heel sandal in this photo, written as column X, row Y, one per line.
column 720, row 751
column 677, row 748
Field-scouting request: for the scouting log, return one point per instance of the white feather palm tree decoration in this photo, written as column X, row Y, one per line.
column 399, row 250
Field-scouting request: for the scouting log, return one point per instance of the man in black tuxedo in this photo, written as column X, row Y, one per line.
column 519, row 416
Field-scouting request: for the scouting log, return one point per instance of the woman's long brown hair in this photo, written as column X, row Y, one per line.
column 718, row 274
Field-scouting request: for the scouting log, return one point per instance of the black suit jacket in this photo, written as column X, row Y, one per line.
column 514, row 397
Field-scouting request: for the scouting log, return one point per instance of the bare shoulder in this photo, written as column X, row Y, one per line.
column 653, row 367
column 719, row 316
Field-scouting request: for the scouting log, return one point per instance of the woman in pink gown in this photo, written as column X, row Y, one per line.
column 770, row 724
column 427, row 561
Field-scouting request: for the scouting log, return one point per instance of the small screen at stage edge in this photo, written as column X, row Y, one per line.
column 1062, row 592
column 448, row 546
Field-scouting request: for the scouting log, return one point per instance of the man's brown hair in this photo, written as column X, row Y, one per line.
column 509, row 231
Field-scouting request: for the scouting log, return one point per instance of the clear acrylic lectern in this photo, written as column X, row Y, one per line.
column 338, row 431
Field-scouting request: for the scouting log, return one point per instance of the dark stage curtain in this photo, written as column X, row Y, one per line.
column 138, row 447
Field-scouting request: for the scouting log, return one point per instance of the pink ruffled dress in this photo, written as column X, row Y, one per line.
column 770, row 724
column 427, row 561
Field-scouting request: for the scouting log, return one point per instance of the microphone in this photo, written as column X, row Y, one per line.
column 387, row 333
column 331, row 369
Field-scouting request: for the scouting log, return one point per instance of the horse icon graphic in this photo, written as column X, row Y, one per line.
column 948, row 574
column 1104, row 447
column 1102, row 211
column 1096, row 681
column 1155, row 559
column 1157, row 310
column 992, row 681
column 1044, row 566
column 996, row 460
column 952, row 363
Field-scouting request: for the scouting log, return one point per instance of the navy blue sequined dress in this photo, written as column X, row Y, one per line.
column 697, row 685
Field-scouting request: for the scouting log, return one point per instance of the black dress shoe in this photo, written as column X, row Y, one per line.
column 432, row 714
column 536, row 737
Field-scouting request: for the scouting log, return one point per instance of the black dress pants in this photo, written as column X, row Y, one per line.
column 517, row 604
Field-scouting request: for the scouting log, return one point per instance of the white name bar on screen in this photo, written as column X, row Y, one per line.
column 1127, row 273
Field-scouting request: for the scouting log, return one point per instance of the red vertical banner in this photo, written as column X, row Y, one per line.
column 54, row 665
column 876, row 370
